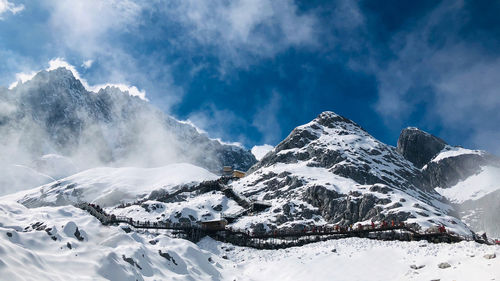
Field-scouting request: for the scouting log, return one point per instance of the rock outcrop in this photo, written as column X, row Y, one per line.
column 418, row 146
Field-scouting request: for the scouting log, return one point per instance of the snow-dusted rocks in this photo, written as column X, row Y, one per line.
column 467, row 178
column 332, row 171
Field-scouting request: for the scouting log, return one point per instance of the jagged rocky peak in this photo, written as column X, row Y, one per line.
column 419, row 147
column 336, row 143
column 332, row 170
column 60, row 77
column 327, row 123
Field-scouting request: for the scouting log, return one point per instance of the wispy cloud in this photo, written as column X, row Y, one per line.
column 87, row 64
column 9, row 7
column 452, row 82
column 242, row 31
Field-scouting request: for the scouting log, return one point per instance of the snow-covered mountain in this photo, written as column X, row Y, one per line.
column 53, row 114
column 331, row 170
column 469, row 179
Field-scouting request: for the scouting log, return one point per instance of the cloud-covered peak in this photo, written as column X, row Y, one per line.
column 62, row 68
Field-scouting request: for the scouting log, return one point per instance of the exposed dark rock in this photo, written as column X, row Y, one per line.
column 9, row 234
column 69, row 246
column 418, row 146
column 126, row 229
column 131, row 261
column 444, row 265
column 78, row 235
column 345, row 210
column 167, row 256
column 416, row 267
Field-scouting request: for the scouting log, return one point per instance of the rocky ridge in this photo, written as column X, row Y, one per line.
column 331, row 170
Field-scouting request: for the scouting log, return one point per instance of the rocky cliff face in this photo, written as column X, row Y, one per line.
column 449, row 171
column 332, row 170
column 418, row 146
column 468, row 178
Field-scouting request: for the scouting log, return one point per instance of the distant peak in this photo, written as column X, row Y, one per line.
column 60, row 73
column 328, row 114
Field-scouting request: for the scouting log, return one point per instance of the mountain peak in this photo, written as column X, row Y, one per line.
column 60, row 78
column 418, row 146
column 331, row 119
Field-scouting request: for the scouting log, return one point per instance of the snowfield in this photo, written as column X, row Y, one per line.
column 453, row 151
column 474, row 187
column 362, row 259
column 112, row 186
column 44, row 244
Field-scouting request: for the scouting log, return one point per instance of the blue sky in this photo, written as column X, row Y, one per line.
column 252, row 70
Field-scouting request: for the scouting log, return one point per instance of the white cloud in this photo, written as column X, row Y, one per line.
column 59, row 62
column 87, row 64
column 455, row 82
column 6, row 6
column 84, row 25
column 21, row 78
column 259, row 151
column 243, row 30
column 218, row 122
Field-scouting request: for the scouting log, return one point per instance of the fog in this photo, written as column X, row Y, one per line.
column 51, row 126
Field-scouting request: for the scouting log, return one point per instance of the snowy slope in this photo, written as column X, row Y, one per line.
column 453, row 151
column 41, row 244
column 18, row 177
column 474, row 187
column 131, row 192
column 112, row 186
column 332, row 171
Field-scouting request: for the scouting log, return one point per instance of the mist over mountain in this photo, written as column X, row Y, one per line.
column 54, row 114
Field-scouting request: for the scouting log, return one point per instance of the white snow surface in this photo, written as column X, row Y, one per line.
column 29, row 254
column 453, row 151
column 474, row 187
column 362, row 259
column 200, row 208
column 259, row 151
column 112, row 186
column 45, row 254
